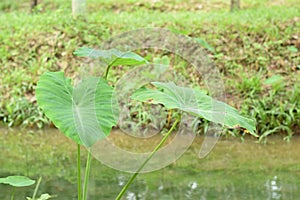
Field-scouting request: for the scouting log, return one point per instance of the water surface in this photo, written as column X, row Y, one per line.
column 233, row 170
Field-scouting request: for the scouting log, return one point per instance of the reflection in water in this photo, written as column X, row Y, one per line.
column 131, row 196
column 273, row 189
column 233, row 170
column 138, row 192
column 161, row 187
column 121, row 181
column 191, row 188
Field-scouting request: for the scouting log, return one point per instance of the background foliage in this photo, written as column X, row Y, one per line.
column 250, row 46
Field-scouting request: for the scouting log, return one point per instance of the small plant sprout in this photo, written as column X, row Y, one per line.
column 17, row 181
column 23, row 181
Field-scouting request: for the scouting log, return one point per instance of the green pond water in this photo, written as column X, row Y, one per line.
column 233, row 170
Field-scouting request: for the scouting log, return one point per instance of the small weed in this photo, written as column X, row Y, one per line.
column 275, row 114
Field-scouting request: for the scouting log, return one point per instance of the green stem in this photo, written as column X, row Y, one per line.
column 106, row 72
column 87, row 175
column 124, row 189
column 36, row 188
column 108, row 68
column 12, row 197
column 78, row 173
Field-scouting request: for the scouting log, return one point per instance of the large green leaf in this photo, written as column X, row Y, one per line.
column 17, row 181
column 83, row 113
column 194, row 102
column 112, row 57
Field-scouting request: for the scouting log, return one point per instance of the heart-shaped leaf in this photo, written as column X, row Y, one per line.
column 194, row 102
column 17, row 181
column 84, row 113
column 112, row 57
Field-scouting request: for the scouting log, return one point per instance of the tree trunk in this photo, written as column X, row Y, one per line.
column 78, row 8
column 34, row 3
column 235, row 5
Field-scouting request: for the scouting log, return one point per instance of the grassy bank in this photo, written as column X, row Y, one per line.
column 257, row 51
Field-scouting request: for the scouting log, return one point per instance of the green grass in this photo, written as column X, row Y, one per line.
column 250, row 45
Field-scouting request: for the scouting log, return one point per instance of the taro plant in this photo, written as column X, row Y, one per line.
column 70, row 108
column 23, row 181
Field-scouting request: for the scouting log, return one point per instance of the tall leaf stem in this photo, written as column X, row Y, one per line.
column 87, row 175
column 124, row 189
column 89, row 158
column 12, row 194
column 107, row 69
column 78, row 173
column 36, row 188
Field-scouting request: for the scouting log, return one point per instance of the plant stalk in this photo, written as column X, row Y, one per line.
column 36, row 188
column 107, row 69
column 87, row 175
column 78, row 173
column 12, row 197
column 124, row 189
